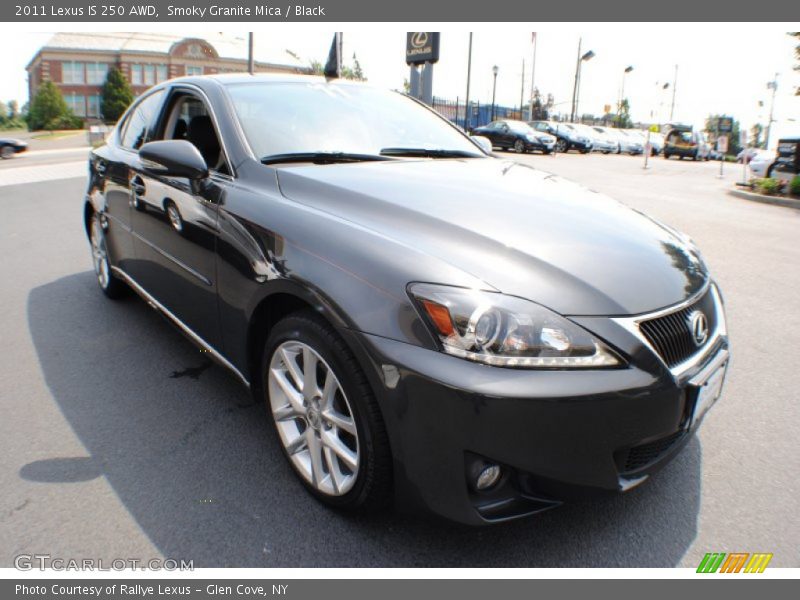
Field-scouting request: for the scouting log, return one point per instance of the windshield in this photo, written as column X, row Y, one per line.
column 280, row 118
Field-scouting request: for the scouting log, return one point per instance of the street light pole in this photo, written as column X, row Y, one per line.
column 627, row 70
column 674, row 89
column 575, row 85
column 522, row 91
column 587, row 56
column 469, row 73
column 251, row 65
column 495, row 69
column 772, row 85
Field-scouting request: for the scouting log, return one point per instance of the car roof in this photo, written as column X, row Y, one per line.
column 226, row 79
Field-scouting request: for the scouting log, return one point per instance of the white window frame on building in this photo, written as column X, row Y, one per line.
column 73, row 68
column 162, row 73
column 78, row 107
column 137, row 69
column 96, row 73
column 94, row 106
column 194, row 70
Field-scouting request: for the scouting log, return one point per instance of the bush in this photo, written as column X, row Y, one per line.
column 794, row 186
column 769, row 186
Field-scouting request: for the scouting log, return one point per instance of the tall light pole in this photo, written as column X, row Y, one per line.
column 576, row 92
column 251, row 65
column 522, row 91
column 772, row 85
column 534, row 39
column 627, row 70
column 495, row 70
column 469, row 73
column 674, row 89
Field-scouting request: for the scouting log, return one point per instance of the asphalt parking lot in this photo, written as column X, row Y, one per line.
column 119, row 440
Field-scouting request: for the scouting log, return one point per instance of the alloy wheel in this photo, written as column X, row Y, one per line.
column 519, row 146
column 99, row 254
column 314, row 419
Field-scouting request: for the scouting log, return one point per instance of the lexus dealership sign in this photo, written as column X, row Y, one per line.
column 422, row 47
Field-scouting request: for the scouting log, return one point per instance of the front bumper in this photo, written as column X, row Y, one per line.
column 558, row 435
column 540, row 145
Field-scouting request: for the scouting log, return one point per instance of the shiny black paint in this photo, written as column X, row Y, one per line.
column 347, row 239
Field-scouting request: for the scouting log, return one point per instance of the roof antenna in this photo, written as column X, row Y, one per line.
column 333, row 68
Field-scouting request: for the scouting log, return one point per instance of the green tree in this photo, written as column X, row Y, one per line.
column 623, row 118
column 4, row 113
column 13, row 109
column 116, row 97
column 49, row 110
column 355, row 72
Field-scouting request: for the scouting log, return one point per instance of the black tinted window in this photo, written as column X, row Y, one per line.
column 140, row 127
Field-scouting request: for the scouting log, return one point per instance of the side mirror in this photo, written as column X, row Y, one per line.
column 482, row 141
column 176, row 158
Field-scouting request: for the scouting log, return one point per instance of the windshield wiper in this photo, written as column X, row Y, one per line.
column 429, row 153
column 320, row 158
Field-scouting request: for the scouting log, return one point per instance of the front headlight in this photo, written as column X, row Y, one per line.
column 505, row 331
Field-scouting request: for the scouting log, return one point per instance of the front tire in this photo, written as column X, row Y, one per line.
column 6, row 152
column 325, row 414
column 110, row 285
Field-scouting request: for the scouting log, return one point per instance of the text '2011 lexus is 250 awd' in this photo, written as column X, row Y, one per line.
column 424, row 322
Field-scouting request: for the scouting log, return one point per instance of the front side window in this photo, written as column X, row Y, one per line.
column 140, row 125
column 297, row 117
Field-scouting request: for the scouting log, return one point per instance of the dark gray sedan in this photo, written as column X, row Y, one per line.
column 424, row 323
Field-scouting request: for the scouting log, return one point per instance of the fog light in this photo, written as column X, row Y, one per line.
column 488, row 476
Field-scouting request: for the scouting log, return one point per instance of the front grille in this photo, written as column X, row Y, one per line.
column 641, row 456
column 671, row 334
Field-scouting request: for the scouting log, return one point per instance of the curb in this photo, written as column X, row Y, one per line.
column 774, row 200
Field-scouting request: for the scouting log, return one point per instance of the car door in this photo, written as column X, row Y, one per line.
column 175, row 221
column 506, row 137
column 111, row 164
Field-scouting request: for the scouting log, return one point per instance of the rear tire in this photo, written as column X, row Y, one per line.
column 562, row 146
column 336, row 442
column 6, row 152
column 519, row 147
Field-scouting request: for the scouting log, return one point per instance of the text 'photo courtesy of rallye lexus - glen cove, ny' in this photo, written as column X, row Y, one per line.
column 428, row 326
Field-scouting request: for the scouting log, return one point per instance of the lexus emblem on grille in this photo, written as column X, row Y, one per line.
column 699, row 325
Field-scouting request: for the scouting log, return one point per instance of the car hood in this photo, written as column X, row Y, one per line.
column 523, row 231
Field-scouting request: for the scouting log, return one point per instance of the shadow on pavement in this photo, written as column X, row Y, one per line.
column 195, row 463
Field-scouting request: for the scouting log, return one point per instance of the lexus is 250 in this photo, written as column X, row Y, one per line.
column 425, row 324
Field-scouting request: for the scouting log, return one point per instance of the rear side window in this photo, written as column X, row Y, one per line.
column 141, row 124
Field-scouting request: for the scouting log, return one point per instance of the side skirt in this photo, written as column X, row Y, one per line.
column 218, row 358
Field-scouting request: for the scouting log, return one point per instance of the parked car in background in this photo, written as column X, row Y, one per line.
column 600, row 142
column 684, row 142
column 746, row 154
column 605, row 140
column 629, row 143
column 760, row 161
column 11, row 146
column 656, row 141
column 470, row 336
column 567, row 137
column 518, row 136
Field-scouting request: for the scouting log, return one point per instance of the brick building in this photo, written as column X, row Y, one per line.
column 79, row 62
